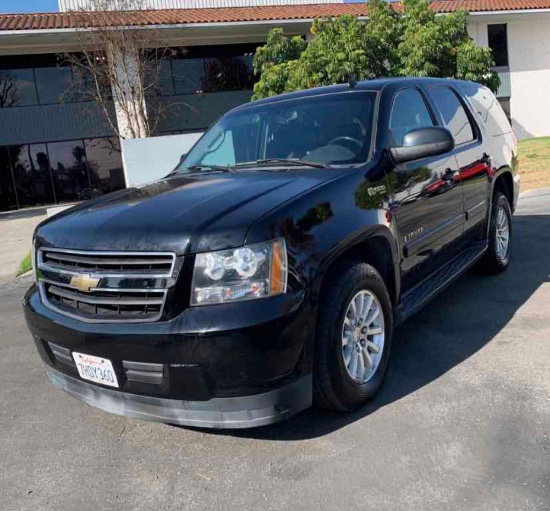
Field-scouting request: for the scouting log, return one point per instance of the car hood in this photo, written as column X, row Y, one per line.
column 182, row 214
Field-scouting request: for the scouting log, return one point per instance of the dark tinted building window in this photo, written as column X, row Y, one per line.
column 188, row 75
column 42, row 174
column 166, row 83
column 409, row 112
column 208, row 69
column 31, row 171
column 69, row 170
column 227, row 74
column 54, row 84
column 104, row 166
column 498, row 42
column 453, row 113
column 17, row 88
column 41, row 80
column 8, row 198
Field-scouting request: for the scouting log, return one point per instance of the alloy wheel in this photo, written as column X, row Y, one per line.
column 502, row 234
column 363, row 336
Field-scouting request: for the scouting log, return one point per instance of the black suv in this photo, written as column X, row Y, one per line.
column 266, row 273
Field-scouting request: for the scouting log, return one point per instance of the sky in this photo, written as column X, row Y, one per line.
column 28, row 6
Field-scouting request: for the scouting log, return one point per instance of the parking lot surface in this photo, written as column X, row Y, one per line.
column 462, row 423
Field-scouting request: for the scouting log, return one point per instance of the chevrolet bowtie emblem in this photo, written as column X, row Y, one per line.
column 85, row 282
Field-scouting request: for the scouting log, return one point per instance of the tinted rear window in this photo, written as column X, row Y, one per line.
column 487, row 108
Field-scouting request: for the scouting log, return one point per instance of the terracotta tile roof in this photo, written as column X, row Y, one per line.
column 444, row 6
column 68, row 20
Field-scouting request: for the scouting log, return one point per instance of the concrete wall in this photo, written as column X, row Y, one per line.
column 149, row 159
column 529, row 55
column 529, row 63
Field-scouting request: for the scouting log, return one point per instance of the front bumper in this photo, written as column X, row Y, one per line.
column 231, row 366
column 229, row 412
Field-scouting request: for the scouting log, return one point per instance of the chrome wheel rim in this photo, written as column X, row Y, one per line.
column 502, row 234
column 363, row 336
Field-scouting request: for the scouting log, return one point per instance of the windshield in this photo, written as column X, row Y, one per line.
column 325, row 130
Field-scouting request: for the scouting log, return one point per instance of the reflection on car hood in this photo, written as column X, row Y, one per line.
column 184, row 213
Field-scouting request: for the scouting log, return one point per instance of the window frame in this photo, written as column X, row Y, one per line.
column 427, row 104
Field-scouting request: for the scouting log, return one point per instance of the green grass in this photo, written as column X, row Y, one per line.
column 26, row 265
column 534, row 162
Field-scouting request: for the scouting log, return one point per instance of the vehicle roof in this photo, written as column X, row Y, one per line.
column 366, row 85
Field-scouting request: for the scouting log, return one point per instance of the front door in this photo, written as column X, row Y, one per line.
column 426, row 198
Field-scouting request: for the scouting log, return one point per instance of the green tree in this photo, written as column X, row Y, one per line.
column 411, row 41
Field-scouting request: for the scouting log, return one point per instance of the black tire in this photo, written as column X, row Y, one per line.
column 333, row 387
column 492, row 263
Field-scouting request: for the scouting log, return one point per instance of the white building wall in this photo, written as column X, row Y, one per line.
column 529, row 63
column 74, row 5
column 529, row 56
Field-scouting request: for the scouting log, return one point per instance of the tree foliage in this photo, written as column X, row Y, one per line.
column 410, row 41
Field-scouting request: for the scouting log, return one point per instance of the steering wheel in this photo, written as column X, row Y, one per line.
column 348, row 141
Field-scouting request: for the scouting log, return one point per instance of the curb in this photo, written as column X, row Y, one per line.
column 23, row 275
column 535, row 192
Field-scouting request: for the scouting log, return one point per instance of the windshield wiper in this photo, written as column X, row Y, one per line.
column 284, row 161
column 209, row 167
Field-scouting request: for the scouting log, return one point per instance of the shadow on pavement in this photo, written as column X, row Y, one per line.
column 473, row 310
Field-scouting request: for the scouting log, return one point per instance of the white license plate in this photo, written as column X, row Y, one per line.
column 96, row 369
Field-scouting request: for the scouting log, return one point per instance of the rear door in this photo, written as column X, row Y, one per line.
column 426, row 201
column 473, row 160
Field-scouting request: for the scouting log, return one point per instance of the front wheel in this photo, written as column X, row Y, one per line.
column 354, row 337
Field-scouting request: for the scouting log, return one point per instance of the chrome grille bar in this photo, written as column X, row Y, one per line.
column 108, row 261
column 82, row 297
column 110, row 296
column 138, row 264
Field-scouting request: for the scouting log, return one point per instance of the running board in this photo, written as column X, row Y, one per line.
column 413, row 300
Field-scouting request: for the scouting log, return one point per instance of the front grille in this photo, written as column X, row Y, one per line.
column 106, row 286
column 112, row 264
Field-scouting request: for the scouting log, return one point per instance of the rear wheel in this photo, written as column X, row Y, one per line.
column 354, row 337
column 497, row 257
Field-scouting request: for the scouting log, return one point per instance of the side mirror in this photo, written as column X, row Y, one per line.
column 423, row 142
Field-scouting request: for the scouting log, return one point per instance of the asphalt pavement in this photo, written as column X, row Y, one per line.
column 462, row 423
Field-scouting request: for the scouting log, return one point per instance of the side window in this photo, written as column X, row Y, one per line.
column 454, row 115
column 409, row 112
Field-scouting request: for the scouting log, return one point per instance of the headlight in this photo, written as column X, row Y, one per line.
column 246, row 273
